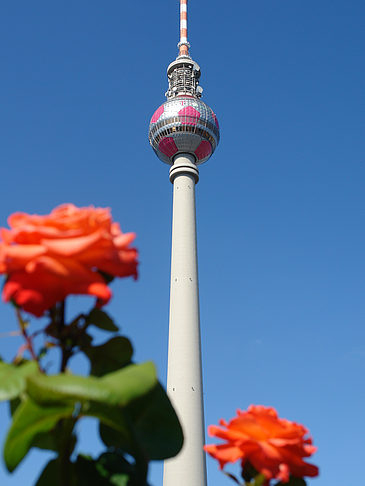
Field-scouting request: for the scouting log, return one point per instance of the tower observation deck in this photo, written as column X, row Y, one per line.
column 184, row 123
column 184, row 133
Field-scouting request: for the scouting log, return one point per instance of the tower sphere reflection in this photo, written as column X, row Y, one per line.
column 184, row 124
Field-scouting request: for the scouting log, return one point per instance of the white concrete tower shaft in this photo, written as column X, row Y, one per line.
column 184, row 133
column 184, row 380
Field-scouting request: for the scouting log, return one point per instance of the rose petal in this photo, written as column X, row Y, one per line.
column 224, row 453
column 71, row 246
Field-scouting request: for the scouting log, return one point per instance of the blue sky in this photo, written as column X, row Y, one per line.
column 280, row 205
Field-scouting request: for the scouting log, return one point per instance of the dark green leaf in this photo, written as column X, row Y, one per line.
column 46, row 441
column 112, row 437
column 84, row 472
column 14, row 404
column 260, row 479
column 43, row 352
column 115, row 462
column 114, row 419
column 231, row 476
column 98, row 473
column 83, row 340
column 87, row 474
column 110, row 356
column 248, row 471
column 29, row 421
column 106, row 276
column 12, row 378
column 101, row 320
column 61, row 437
column 155, row 426
column 119, row 479
column 118, row 388
column 121, row 472
column 50, row 474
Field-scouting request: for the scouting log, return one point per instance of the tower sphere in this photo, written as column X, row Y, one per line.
column 184, row 124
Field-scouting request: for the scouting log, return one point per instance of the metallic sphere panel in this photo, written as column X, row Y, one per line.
column 184, row 125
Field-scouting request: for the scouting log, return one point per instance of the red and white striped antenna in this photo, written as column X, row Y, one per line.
column 183, row 45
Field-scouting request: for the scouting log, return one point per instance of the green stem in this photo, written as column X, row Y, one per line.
column 142, row 470
column 66, row 353
column 66, row 350
column 28, row 339
column 64, row 461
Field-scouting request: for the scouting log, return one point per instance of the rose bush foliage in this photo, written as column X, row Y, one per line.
column 45, row 259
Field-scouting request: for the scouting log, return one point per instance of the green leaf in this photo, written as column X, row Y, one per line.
column 106, row 276
column 155, row 425
column 12, row 378
column 118, row 388
column 50, row 474
column 248, row 471
column 110, row 356
column 46, row 441
column 29, row 421
column 131, row 382
column 115, row 420
column 63, row 388
column 231, row 476
column 61, row 438
column 119, row 480
column 86, row 472
column 115, row 462
column 110, row 469
column 120, row 472
column 260, row 479
column 112, row 437
column 101, row 320
column 101, row 472
column 14, row 404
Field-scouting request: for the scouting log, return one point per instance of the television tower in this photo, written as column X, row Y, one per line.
column 184, row 133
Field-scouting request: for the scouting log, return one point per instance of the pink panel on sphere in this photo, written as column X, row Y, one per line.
column 168, row 147
column 215, row 119
column 204, row 150
column 189, row 116
column 157, row 114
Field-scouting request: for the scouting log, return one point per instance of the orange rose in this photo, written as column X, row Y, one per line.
column 275, row 447
column 49, row 257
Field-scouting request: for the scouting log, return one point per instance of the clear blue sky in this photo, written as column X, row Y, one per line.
column 280, row 205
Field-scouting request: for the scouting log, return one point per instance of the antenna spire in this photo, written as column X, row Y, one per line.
column 183, row 45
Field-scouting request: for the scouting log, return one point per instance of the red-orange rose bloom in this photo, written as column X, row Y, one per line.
column 49, row 257
column 275, row 447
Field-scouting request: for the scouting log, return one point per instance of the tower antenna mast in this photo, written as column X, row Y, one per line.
column 183, row 45
column 184, row 133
